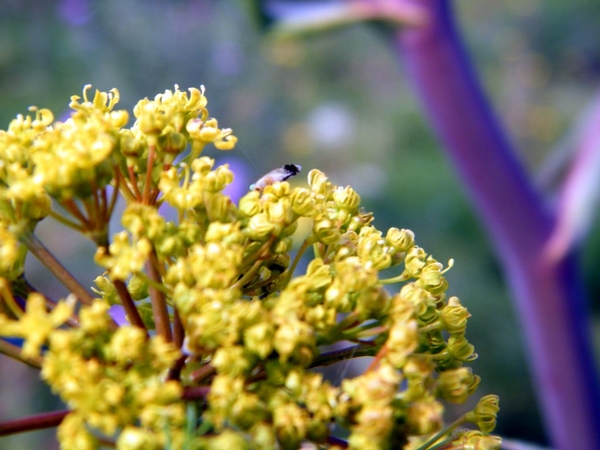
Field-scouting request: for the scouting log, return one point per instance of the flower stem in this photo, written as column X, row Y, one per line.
column 380, row 354
column 148, row 182
column 157, row 298
column 37, row 422
column 36, row 247
column 307, row 243
column 397, row 279
column 132, row 313
column 121, row 185
column 14, row 352
column 203, row 372
column 195, row 393
column 66, row 222
column 446, row 431
column 335, row 356
column 247, row 276
column 178, row 331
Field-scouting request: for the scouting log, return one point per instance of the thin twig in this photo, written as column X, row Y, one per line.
column 178, row 331
column 14, row 352
column 38, row 249
column 148, row 181
column 335, row 356
column 195, row 393
column 130, row 309
column 72, row 207
column 31, row 423
column 157, row 298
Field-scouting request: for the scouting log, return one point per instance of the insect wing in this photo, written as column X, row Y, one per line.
column 280, row 174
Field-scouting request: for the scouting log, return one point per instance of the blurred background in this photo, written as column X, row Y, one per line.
column 338, row 102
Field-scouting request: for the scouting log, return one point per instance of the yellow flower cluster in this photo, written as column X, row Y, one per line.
column 112, row 380
column 219, row 318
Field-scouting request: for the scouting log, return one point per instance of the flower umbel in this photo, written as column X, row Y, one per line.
column 221, row 332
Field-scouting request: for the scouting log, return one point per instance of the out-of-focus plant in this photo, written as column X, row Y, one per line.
column 536, row 241
column 221, row 336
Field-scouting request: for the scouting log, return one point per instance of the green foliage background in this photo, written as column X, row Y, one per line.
column 338, row 102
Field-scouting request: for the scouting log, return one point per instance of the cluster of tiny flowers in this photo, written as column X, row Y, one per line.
column 221, row 319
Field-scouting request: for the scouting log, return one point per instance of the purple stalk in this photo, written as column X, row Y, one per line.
column 548, row 294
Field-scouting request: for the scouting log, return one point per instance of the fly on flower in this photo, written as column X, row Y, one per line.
column 280, row 174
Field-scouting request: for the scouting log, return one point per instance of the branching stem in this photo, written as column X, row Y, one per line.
column 38, row 249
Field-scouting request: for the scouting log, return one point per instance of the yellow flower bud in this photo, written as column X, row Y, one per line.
column 317, row 180
column 415, row 261
column 454, row 316
column 219, row 206
column 484, row 414
column 259, row 227
column 303, row 203
column 371, row 250
column 258, row 339
column 225, row 140
column 291, row 423
column 326, row 231
column 233, row 361
column 151, row 120
column 346, row 198
column 423, row 302
column 134, row 438
column 218, row 179
column 127, row 344
column 250, row 204
column 460, row 348
column 172, row 145
column 401, row 342
column 401, row 240
column 38, row 207
column 456, row 385
column 279, row 212
column 431, row 278
column 424, row 417
column 476, row 440
column 72, row 433
column 292, row 335
column 209, row 131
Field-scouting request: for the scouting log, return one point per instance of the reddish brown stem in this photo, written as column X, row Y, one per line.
column 133, row 181
column 72, row 207
column 148, row 182
column 31, row 423
column 121, row 183
column 178, row 331
column 159, row 303
column 380, row 354
column 195, row 393
column 132, row 313
column 36, row 247
column 14, row 352
column 203, row 372
column 175, row 371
